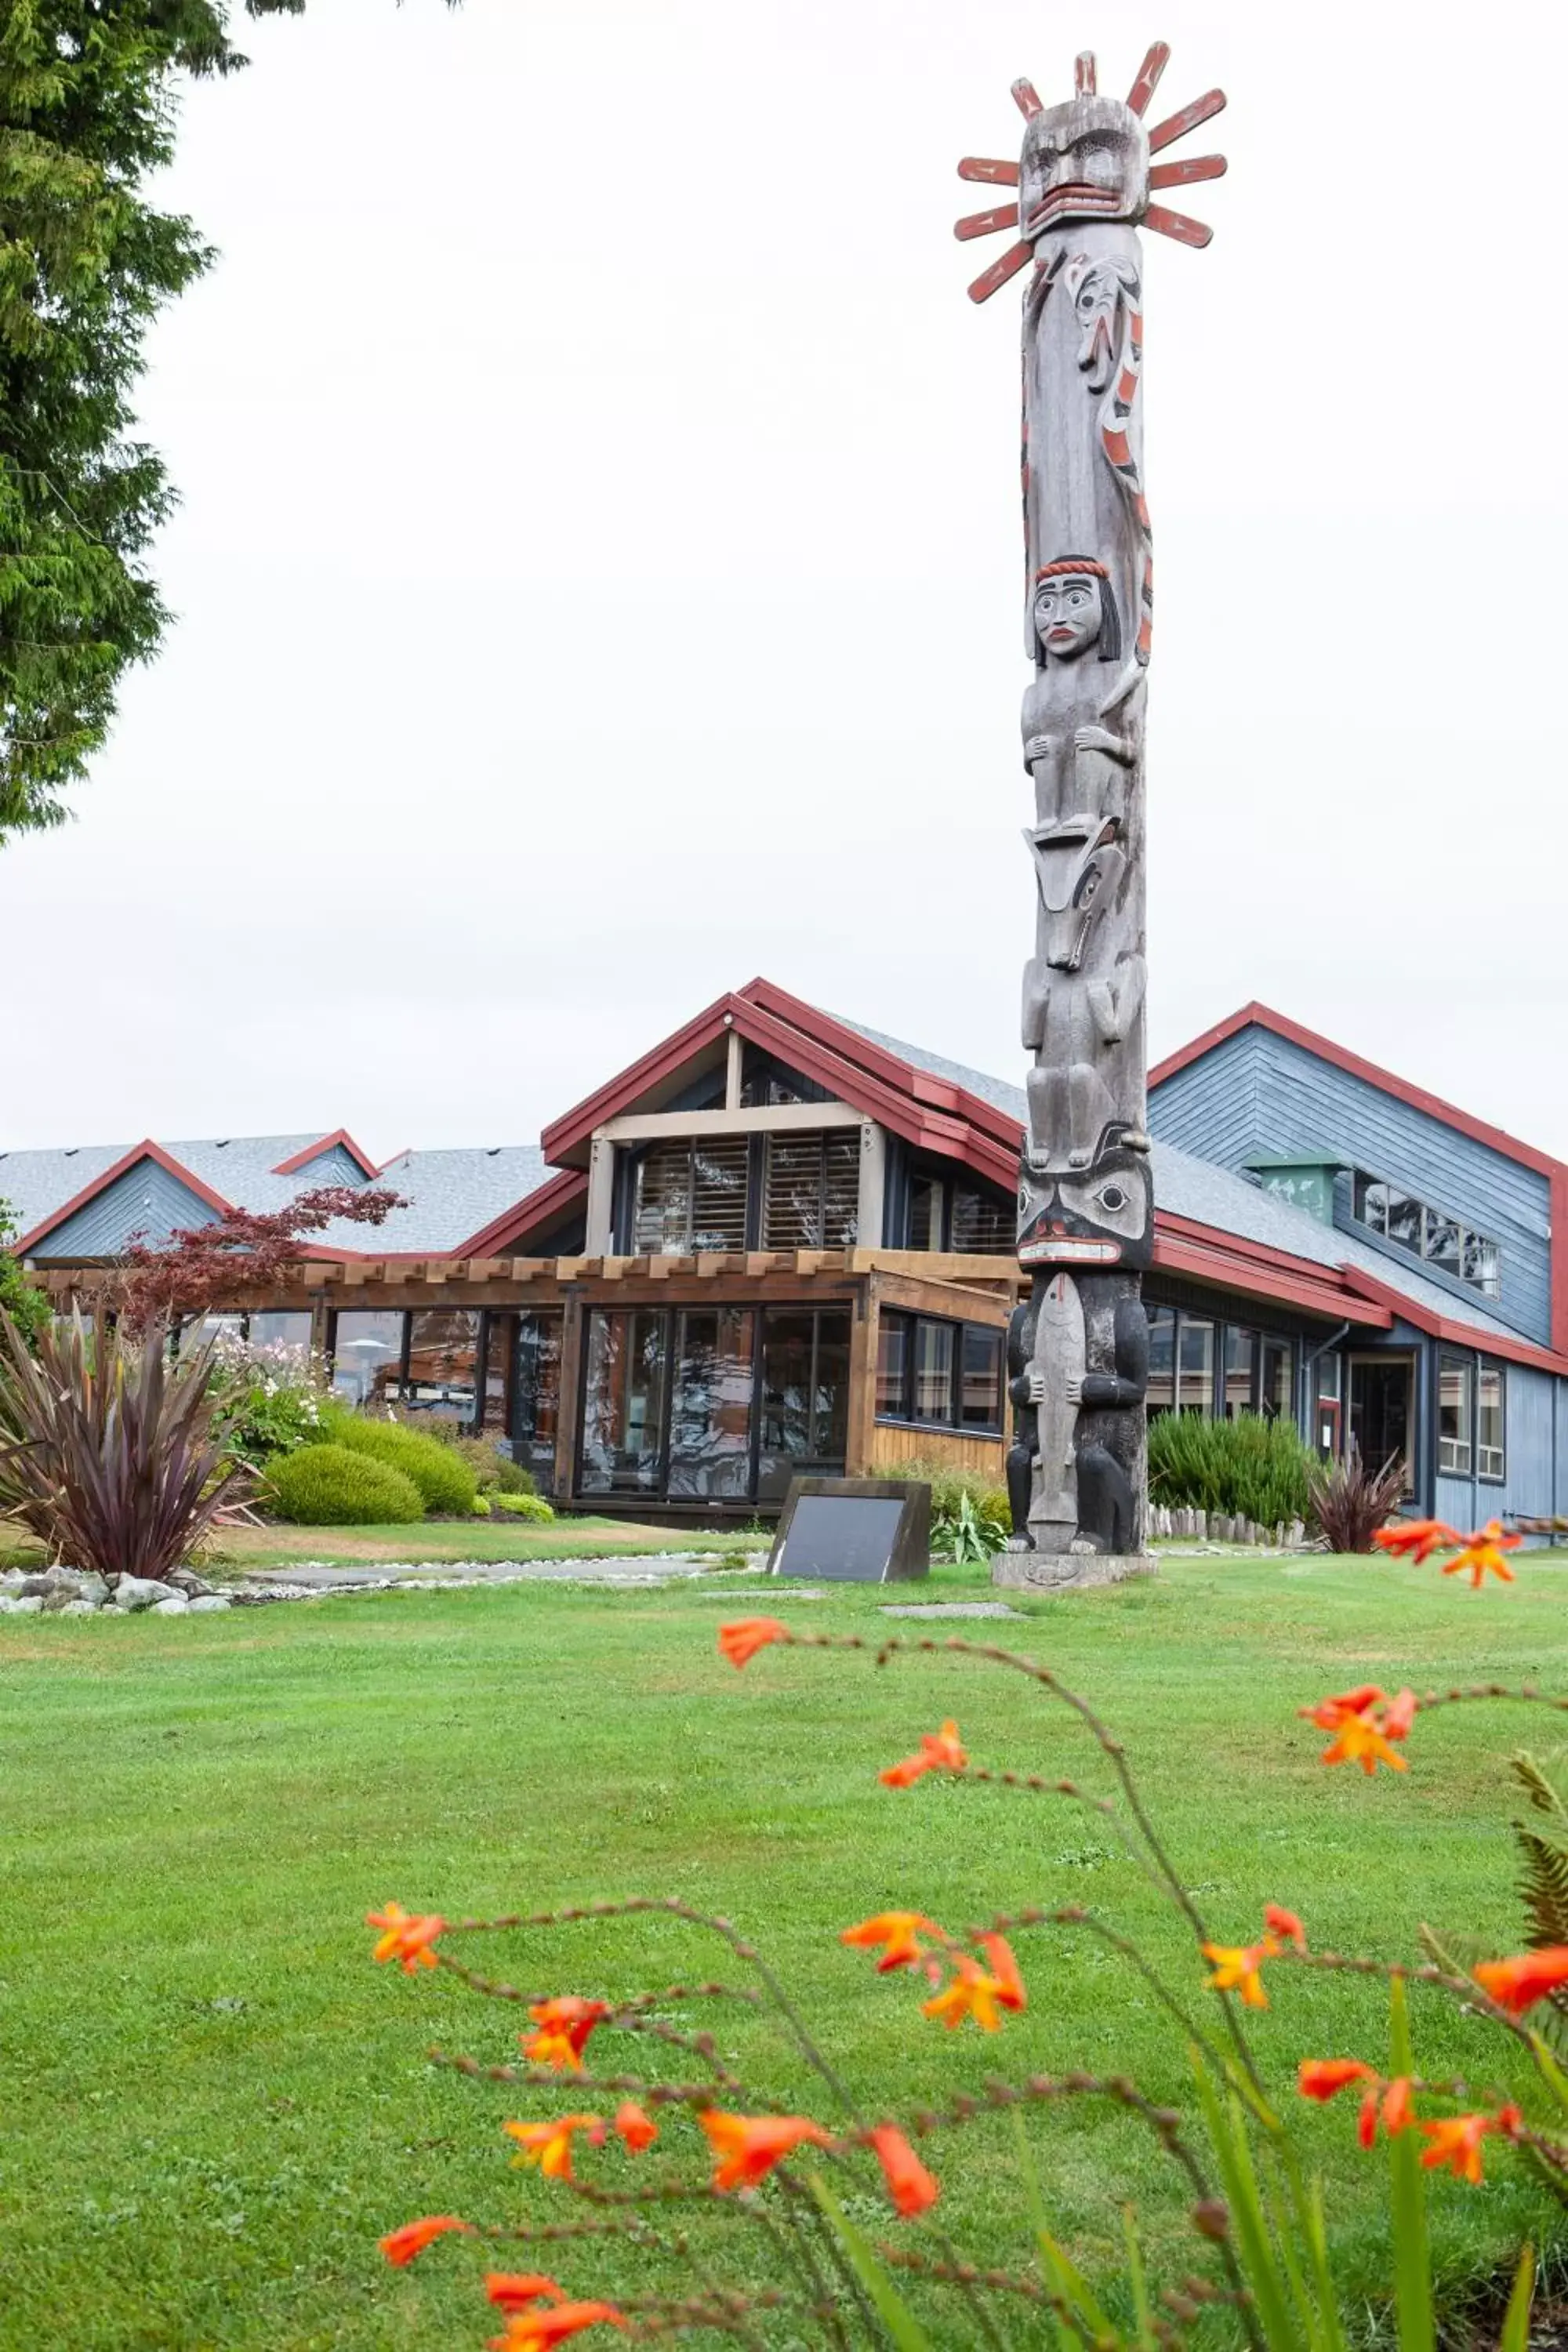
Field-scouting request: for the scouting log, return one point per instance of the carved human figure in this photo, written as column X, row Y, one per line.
column 1076, row 633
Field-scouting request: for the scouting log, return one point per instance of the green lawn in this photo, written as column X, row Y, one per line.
column 237, row 1548
column 212, row 2103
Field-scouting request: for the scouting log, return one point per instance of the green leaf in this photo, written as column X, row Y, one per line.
column 1136, row 2280
column 1515, row 2336
column 1412, row 2258
column 902, row 2327
column 1254, row 2247
column 1552, row 2073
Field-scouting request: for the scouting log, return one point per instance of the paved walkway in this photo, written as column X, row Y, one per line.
column 319, row 1576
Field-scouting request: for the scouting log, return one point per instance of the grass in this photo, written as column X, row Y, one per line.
column 214, row 2103
column 439, row 1539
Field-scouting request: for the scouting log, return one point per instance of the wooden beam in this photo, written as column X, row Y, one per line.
column 640, row 1127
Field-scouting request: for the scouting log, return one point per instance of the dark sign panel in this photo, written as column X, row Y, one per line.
column 859, row 1530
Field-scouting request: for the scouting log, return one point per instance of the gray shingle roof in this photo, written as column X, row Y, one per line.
column 452, row 1194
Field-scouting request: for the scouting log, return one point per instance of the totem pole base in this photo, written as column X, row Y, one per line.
column 1067, row 1571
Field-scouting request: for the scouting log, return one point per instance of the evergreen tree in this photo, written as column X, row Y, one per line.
column 87, row 113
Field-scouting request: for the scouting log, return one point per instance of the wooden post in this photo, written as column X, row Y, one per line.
column 571, row 1414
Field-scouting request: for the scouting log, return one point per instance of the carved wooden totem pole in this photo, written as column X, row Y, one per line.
column 1078, row 1347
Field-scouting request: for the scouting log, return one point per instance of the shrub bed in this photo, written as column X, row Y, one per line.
column 331, row 1485
column 445, row 1482
column 1248, row 1468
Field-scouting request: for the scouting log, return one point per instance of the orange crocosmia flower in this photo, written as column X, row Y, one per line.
column 400, row 2246
column 1518, row 1985
column 1455, row 2141
column 1396, row 2114
column 747, row 2147
column 1399, row 1714
column 1482, row 1550
column 1003, row 1968
column 565, row 2026
column 1359, row 1741
column 550, row 2145
column 747, row 1635
column 939, row 1751
column 900, row 1933
column 539, row 2329
column 406, row 1935
column 1285, row 1925
column 913, row 2188
column 1419, row 1537
column 1236, row 1969
column 1325, row 2078
column 636, row 2129
column 517, row 2290
column 1329, row 1713
column 973, row 1992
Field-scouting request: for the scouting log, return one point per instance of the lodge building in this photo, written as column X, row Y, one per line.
column 780, row 1244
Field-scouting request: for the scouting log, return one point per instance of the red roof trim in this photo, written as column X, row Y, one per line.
column 924, row 1086
column 1207, row 1255
column 499, row 1237
column 340, row 1135
column 575, row 1126
column 26, row 1243
column 1263, row 1016
column 1444, row 1326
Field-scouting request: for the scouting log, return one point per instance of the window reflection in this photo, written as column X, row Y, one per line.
column 710, row 1407
column 1242, row 1352
column 536, row 1394
column 367, row 1355
column 1161, row 1391
column 1196, row 1353
column 623, row 1402
column 443, row 1362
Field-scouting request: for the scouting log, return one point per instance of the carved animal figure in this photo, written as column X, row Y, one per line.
column 1108, row 302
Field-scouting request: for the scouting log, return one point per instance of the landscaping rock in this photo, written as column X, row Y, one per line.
column 78, row 1609
column 173, row 1605
column 139, row 1593
column 186, row 1580
column 27, row 1605
column 209, row 1600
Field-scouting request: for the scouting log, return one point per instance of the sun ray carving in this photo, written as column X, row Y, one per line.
column 1149, row 73
column 1182, row 175
column 1180, row 225
column 1176, row 126
column 1065, row 199
column 990, row 169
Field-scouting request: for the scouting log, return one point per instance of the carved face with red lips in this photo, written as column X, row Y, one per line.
column 1102, row 1216
column 1086, row 160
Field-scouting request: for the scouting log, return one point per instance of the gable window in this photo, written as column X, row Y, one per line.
column 938, row 1374
column 690, row 1195
column 811, row 1189
column 1428, row 1233
column 1455, row 1415
column 947, row 1216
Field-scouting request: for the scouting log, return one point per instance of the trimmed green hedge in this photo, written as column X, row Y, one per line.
column 445, row 1481
column 521, row 1507
column 332, row 1486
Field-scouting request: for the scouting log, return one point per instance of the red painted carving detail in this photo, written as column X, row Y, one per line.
column 991, row 169
column 1012, row 261
column 985, row 224
column 1149, row 73
column 1176, row 126
column 1027, row 97
column 1185, row 230
column 1179, row 175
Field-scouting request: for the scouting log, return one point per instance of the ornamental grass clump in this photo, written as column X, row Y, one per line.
column 112, row 1454
column 684, row 2195
column 446, row 1482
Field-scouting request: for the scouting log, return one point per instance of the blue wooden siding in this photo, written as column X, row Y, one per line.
column 335, row 1167
column 1257, row 1095
column 146, row 1200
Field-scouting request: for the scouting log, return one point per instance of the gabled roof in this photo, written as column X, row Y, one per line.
column 339, row 1139
column 1263, row 1016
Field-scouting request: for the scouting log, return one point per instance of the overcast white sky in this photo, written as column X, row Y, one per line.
column 598, row 572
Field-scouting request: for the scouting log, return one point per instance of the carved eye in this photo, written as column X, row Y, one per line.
column 1112, row 1197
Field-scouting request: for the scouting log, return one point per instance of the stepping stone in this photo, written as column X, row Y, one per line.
column 952, row 1609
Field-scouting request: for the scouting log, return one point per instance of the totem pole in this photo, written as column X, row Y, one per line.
column 1079, row 1345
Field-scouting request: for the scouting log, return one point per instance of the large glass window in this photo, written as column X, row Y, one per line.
column 691, row 1196
column 933, row 1369
column 1196, row 1377
column 1161, row 1391
column 1277, row 1398
column 623, row 1402
column 287, row 1334
column 443, row 1362
column 979, row 1379
column 1491, row 1442
column 536, row 1394
column 710, row 1403
column 987, row 1226
column 811, row 1192
column 367, row 1355
column 894, row 1336
column 497, row 1386
column 1428, row 1234
column 806, row 1396
column 1454, row 1415
column 1243, row 1354
column 926, row 1200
